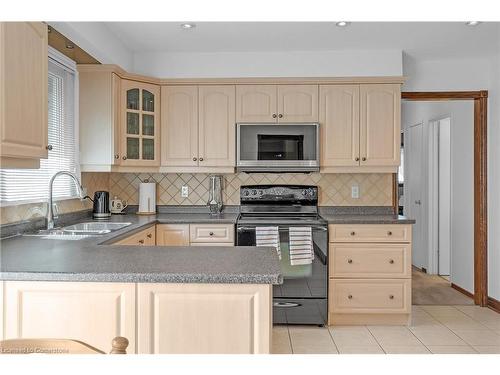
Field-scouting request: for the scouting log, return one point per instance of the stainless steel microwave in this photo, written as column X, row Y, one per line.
column 277, row 147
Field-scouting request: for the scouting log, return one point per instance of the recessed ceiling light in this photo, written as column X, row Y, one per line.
column 342, row 24
column 473, row 23
column 188, row 26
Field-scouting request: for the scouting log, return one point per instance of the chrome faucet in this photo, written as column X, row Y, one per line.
column 50, row 208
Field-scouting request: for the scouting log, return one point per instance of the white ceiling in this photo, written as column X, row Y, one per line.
column 418, row 39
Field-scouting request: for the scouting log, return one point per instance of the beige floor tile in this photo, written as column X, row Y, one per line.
column 393, row 336
column 424, row 320
column 311, row 340
column 493, row 324
column 401, row 349
column 479, row 337
column 479, row 313
column 460, row 322
column 436, row 311
column 436, row 336
column 281, row 341
column 488, row 349
column 352, row 336
column 370, row 349
column 451, row 349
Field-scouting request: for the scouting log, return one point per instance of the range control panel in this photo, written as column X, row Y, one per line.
column 286, row 193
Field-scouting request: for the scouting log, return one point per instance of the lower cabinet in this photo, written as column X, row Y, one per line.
column 146, row 237
column 370, row 274
column 90, row 312
column 204, row 318
column 167, row 318
column 172, row 234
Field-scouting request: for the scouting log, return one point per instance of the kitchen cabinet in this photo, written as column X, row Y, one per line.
column 211, row 233
column 277, row 103
column 360, row 128
column 91, row 312
column 370, row 274
column 198, row 127
column 172, row 234
column 23, row 94
column 204, row 318
column 140, row 124
column 99, row 120
column 146, row 237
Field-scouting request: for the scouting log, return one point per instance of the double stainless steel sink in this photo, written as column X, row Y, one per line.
column 79, row 231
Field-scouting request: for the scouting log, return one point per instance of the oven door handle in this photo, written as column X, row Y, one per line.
column 282, row 228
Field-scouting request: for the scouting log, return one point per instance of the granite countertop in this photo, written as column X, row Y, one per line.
column 94, row 259
column 362, row 215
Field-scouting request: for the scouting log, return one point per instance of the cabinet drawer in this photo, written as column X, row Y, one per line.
column 145, row 237
column 212, row 244
column 370, row 233
column 370, row 260
column 211, row 233
column 369, row 296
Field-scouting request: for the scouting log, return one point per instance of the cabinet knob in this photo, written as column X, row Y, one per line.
column 274, row 115
column 363, row 158
column 194, row 159
column 353, row 233
column 391, row 296
column 201, row 159
column 117, row 156
column 124, row 158
column 49, row 147
column 349, row 261
column 389, row 233
column 211, row 233
column 280, row 115
column 349, row 296
column 149, row 235
column 356, row 159
column 141, row 241
column 391, row 261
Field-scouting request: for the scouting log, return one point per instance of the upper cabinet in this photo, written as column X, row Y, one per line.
column 360, row 128
column 198, row 127
column 23, row 94
column 140, row 124
column 277, row 103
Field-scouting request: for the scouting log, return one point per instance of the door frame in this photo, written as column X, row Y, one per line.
column 480, row 99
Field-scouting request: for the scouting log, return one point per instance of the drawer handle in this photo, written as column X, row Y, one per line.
column 391, row 296
column 149, row 235
column 349, row 261
column 389, row 233
column 353, row 233
column 211, row 233
column 141, row 241
column 349, row 296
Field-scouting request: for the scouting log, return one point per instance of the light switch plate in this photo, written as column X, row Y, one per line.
column 184, row 191
column 355, row 191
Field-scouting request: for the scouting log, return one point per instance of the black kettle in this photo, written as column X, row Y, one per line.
column 101, row 205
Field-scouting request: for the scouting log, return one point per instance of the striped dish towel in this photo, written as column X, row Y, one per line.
column 268, row 236
column 301, row 245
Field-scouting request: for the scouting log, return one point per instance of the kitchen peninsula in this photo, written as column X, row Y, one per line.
column 164, row 299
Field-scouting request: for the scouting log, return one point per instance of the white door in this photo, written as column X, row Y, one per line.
column 444, row 194
column 414, row 191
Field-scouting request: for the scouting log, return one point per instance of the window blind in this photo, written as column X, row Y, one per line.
column 23, row 185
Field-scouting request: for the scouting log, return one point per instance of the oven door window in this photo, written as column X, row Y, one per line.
column 280, row 147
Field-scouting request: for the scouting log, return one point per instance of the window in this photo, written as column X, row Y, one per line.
column 31, row 185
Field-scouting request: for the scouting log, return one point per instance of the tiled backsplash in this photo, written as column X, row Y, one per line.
column 335, row 189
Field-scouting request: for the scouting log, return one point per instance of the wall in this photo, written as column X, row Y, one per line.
column 470, row 74
column 270, row 64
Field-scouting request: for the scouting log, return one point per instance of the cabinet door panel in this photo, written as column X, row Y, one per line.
column 380, row 124
column 172, row 234
column 298, row 103
column 339, row 125
column 179, row 125
column 23, row 90
column 217, row 126
column 256, row 103
column 90, row 312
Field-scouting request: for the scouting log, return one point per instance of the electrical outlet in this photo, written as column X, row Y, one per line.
column 184, row 191
column 355, row 191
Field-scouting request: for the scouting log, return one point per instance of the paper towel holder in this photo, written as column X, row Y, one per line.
column 147, row 198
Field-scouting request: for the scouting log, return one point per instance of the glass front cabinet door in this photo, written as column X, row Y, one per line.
column 140, row 124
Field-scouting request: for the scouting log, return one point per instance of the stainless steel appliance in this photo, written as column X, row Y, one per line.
column 277, row 147
column 302, row 298
column 101, row 205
